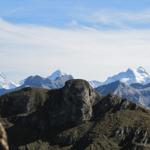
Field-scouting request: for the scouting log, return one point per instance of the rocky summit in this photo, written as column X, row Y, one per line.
column 74, row 117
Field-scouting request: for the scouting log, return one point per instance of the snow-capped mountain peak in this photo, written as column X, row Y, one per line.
column 5, row 83
column 131, row 76
column 56, row 74
column 59, row 78
column 141, row 75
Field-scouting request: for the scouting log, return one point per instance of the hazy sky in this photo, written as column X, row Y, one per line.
column 89, row 39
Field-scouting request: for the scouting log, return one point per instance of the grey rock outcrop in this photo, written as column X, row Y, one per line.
column 74, row 117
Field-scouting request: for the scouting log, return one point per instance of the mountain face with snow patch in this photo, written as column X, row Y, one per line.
column 95, row 83
column 56, row 80
column 37, row 81
column 57, row 74
column 130, row 76
column 139, row 95
column 59, row 78
column 133, row 84
column 122, row 90
column 5, row 83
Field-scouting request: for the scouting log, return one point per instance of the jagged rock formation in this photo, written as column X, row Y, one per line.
column 74, row 117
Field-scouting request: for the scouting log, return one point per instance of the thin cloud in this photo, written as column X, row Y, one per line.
column 86, row 53
column 118, row 19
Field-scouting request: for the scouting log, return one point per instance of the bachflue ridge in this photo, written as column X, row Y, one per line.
column 74, row 117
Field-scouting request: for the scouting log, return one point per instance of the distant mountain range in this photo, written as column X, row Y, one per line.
column 131, row 76
column 133, row 84
column 138, row 94
column 56, row 80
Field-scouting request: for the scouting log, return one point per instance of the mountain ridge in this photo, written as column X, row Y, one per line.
column 132, row 89
column 74, row 117
column 5, row 83
column 138, row 93
column 131, row 76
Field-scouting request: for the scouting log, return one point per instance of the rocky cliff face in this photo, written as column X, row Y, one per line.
column 73, row 118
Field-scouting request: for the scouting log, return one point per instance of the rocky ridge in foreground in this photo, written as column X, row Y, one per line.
column 74, row 117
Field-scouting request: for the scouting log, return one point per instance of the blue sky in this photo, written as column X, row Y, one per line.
column 90, row 39
column 61, row 13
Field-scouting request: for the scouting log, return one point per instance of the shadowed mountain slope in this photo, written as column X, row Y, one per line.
column 136, row 93
column 74, row 117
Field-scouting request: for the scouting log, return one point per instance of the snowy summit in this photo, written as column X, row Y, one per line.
column 55, row 75
column 5, row 83
column 139, row 75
